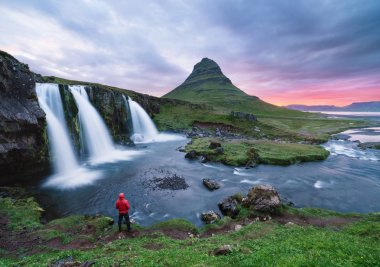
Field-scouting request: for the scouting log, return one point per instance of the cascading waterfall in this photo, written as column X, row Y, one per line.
column 95, row 134
column 68, row 173
column 96, row 137
column 143, row 127
column 62, row 150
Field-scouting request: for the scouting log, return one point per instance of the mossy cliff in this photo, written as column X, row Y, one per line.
column 23, row 142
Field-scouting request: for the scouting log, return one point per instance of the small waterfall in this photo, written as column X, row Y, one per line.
column 95, row 134
column 143, row 127
column 50, row 101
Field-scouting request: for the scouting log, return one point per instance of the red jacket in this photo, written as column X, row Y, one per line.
column 122, row 204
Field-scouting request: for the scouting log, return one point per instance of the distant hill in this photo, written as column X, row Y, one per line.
column 373, row 106
column 208, row 85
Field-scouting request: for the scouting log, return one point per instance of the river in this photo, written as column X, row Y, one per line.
column 348, row 181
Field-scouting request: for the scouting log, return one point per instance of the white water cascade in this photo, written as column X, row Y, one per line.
column 143, row 127
column 68, row 173
column 50, row 100
column 144, row 130
column 96, row 137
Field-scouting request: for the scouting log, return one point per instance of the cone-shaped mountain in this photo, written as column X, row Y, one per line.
column 208, row 85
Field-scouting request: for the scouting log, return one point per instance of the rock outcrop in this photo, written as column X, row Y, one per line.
column 23, row 142
column 210, row 184
column 262, row 198
column 229, row 207
column 210, row 217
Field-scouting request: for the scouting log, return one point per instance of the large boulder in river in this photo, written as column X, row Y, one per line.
column 23, row 143
column 210, row 184
column 229, row 207
column 210, row 217
column 263, row 198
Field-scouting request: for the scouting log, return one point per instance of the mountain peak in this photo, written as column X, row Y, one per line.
column 207, row 69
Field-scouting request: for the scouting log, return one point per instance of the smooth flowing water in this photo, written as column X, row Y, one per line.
column 144, row 129
column 95, row 133
column 63, row 154
column 344, row 182
column 67, row 172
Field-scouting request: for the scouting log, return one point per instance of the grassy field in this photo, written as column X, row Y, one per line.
column 354, row 241
column 307, row 127
column 243, row 152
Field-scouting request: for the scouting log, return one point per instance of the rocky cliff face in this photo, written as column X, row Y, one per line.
column 23, row 143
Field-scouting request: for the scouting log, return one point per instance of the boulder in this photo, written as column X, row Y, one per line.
column 214, row 144
column 263, row 198
column 210, row 184
column 191, row 155
column 210, row 217
column 223, row 250
column 229, row 207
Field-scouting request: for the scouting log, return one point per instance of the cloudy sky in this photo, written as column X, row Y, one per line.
column 284, row 51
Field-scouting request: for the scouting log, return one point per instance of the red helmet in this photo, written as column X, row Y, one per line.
column 121, row 195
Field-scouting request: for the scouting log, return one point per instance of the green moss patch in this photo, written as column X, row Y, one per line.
column 241, row 152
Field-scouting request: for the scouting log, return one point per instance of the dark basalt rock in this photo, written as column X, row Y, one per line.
column 263, row 198
column 229, row 207
column 23, row 142
column 210, row 217
column 191, row 155
column 210, row 184
column 223, row 250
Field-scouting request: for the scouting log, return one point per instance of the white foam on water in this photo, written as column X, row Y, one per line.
column 322, row 184
column 71, row 180
column 351, row 150
column 240, row 173
column 246, row 181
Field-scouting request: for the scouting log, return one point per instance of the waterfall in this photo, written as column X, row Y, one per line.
column 62, row 151
column 68, row 173
column 94, row 131
column 143, row 127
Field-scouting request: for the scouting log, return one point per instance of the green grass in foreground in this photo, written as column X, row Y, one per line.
column 258, row 244
column 241, row 152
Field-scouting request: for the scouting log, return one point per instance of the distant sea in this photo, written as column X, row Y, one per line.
column 372, row 116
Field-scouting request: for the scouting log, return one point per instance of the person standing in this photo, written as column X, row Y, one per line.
column 123, row 206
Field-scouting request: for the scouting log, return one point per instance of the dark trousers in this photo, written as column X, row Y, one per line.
column 126, row 216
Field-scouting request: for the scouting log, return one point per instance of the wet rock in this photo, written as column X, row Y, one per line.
column 210, row 217
column 223, row 250
column 191, row 155
column 229, row 207
column 214, row 144
column 263, row 198
column 164, row 180
column 210, row 184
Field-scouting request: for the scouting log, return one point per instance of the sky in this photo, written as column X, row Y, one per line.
column 283, row 51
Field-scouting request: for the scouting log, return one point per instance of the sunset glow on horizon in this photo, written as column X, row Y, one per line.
column 283, row 52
